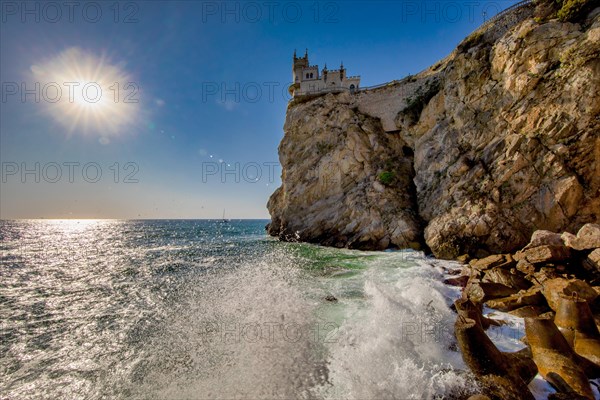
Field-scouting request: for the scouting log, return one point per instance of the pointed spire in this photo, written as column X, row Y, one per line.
column 342, row 65
column 295, row 54
column 325, row 68
column 306, row 54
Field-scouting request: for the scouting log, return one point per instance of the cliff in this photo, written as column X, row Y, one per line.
column 473, row 155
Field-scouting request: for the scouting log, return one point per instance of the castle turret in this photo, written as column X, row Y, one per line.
column 299, row 64
column 342, row 71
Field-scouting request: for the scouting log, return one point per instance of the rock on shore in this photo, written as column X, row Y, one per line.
column 554, row 283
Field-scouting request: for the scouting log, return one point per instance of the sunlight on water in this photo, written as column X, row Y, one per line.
column 202, row 309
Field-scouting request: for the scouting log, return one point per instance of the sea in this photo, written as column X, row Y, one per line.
column 211, row 309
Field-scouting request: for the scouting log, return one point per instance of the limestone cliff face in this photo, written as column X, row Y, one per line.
column 331, row 157
column 500, row 139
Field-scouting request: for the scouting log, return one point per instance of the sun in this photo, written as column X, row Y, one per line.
column 86, row 93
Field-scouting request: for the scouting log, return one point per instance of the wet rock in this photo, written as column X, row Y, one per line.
column 544, row 238
column 532, row 297
column 331, row 298
column 497, row 377
column 528, row 311
column 460, row 281
column 575, row 321
column 550, row 314
column 544, row 254
column 480, row 292
column 522, row 363
column 554, row 288
column 465, row 308
column 572, row 315
column 507, row 278
column 555, row 359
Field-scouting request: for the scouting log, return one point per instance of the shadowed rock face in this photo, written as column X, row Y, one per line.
column 506, row 142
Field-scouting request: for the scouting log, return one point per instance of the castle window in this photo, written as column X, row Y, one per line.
column 307, row 75
column 311, row 75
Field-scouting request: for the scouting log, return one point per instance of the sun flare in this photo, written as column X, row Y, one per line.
column 85, row 93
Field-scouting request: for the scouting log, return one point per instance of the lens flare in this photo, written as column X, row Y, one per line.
column 85, row 93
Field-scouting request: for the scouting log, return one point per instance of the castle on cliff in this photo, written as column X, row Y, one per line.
column 306, row 78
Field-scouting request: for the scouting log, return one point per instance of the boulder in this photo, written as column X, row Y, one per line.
column 587, row 238
column 574, row 315
column 554, row 288
column 480, row 292
column 507, row 278
column 498, row 375
column 532, row 297
column 555, row 359
column 544, row 254
column 592, row 261
column 544, row 238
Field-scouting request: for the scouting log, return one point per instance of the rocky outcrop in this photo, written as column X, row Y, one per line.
column 345, row 182
column 506, row 153
column 560, row 308
column 500, row 139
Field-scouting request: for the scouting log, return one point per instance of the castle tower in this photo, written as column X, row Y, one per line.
column 299, row 64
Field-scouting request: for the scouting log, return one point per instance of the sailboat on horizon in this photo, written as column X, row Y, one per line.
column 224, row 220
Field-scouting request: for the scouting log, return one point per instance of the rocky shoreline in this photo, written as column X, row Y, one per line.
column 554, row 284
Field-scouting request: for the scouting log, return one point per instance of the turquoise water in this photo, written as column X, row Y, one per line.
column 206, row 309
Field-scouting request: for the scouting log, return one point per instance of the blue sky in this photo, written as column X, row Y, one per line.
column 210, row 83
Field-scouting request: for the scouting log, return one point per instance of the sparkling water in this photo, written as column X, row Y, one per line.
column 211, row 309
